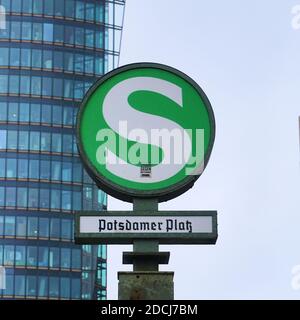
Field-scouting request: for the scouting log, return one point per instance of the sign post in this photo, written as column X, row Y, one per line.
column 145, row 133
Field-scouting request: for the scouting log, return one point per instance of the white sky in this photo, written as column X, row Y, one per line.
column 246, row 57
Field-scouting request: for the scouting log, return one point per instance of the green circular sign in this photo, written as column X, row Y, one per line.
column 145, row 130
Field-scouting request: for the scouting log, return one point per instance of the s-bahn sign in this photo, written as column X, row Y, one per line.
column 145, row 130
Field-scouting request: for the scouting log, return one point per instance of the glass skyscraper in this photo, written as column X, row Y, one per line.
column 51, row 52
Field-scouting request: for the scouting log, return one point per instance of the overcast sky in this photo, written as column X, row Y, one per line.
column 246, row 57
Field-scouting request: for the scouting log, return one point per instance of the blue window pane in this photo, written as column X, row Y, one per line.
column 43, row 227
column 12, row 138
column 21, row 226
column 36, row 85
column 66, row 229
column 26, row 30
column 2, row 167
column 56, row 142
column 43, row 286
column 43, row 257
column 54, row 258
column 55, row 228
column 57, row 115
column 49, row 7
column 27, row 6
column 3, row 83
column 55, row 170
column 75, row 289
column 67, row 171
column 69, row 35
column 14, row 84
column 22, row 197
column 19, row 285
column 89, row 11
column 79, row 10
column 58, row 33
column 59, row 8
column 44, row 198
column 15, row 31
column 33, row 200
column 55, row 199
column 76, row 258
column 45, row 169
column 23, row 141
column 24, row 86
column 31, row 256
column 66, row 200
column 9, row 285
column 1, row 198
column 31, row 286
column 35, row 112
column 65, row 258
column 89, row 37
column 10, row 197
column 4, row 57
column 22, row 168
column 65, row 287
column 47, row 59
column 67, row 143
column 47, row 87
column 68, row 61
column 32, row 227
column 20, row 256
column 11, row 168
column 46, row 113
column 16, row 5
column 34, row 169
column 15, row 57
column 9, row 226
column 77, row 200
column 13, row 111
column 48, row 32
column 3, row 111
column 24, row 108
column 3, row 134
column 45, row 146
column 79, row 36
column 37, row 31
column 36, row 58
column 70, row 8
column 57, row 87
column 9, row 255
column 38, row 6
column 34, row 140
column 53, row 287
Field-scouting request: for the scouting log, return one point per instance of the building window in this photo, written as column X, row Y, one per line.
column 32, row 227
column 53, row 287
column 11, row 168
column 9, row 226
column 65, row 258
column 43, row 257
column 54, row 258
column 43, row 286
column 66, row 229
column 31, row 256
column 33, row 172
column 9, row 255
column 20, row 256
column 21, row 226
column 10, row 199
column 19, row 285
column 65, row 287
column 22, row 197
column 43, row 227
column 48, row 31
column 55, row 228
column 33, row 198
column 31, row 286
column 44, row 198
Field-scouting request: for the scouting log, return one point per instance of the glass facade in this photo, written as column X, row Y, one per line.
column 51, row 52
